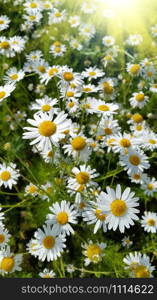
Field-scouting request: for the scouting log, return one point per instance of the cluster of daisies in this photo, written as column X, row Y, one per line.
column 77, row 118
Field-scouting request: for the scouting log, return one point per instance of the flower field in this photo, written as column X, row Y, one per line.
column 78, row 142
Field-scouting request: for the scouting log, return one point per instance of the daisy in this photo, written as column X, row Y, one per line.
column 138, row 100
column 4, row 236
column 108, row 41
column 123, row 142
column 4, row 22
column 46, row 191
column 135, row 161
column 120, row 208
column 34, row 56
column 87, row 31
column 32, row 5
column 56, row 16
column 149, row 186
column 45, row 105
column 92, row 73
column 13, row 75
column 9, row 262
column 101, row 107
column 52, row 155
column 153, row 87
column 88, row 8
column 50, row 73
column 83, row 177
column 108, row 126
column 94, row 252
column 126, row 242
column 134, row 39
column 47, row 130
column 17, row 43
column 138, row 177
column 149, row 222
column 70, row 268
column 67, row 76
column 89, row 88
column 136, row 119
column 78, row 147
column 133, row 69
column 94, row 215
column 58, row 50
column 72, row 106
column 74, row 44
column 74, row 21
column 31, row 189
column 48, row 244
column 31, row 247
column 5, row 47
column 40, row 66
column 139, row 265
column 107, row 87
column 80, row 204
column 8, row 175
column 149, row 140
column 47, row 274
column 32, row 18
column 62, row 216
column 6, row 90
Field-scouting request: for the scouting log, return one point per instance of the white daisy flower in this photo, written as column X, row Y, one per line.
column 74, row 21
column 31, row 189
column 78, row 147
column 149, row 186
column 87, row 31
column 58, row 50
column 92, row 73
column 48, row 245
column 4, row 22
column 40, row 66
column 62, row 216
column 149, row 222
column 94, row 252
column 133, row 69
column 5, row 47
column 47, row 130
column 101, row 107
column 32, row 5
column 89, row 88
column 76, row 45
column 83, row 177
column 94, row 215
column 149, row 140
column 52, row 155
column 67, row 77
column 153, row 87
column 17, row 43
column 123, row 142
column 120, row 208
column 134, row 162
column 6, row 90
column 13, row 75
column 50, row 73
column 108, row 126
column 9, row 262
column 56, row 16
column 8, row 175
column 139, row 265
column 47, row 274
column 138, row 100
column 138, row 177
column 134, row 39
column 45, row 105
column 108, row 41
column 4, row 236
column 126, row 242
column 88, row 8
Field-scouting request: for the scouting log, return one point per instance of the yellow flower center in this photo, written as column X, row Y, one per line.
column 142, row 272
column 151, row 222
column 57, row 49
column 87, row 89
column 108, row 89
column 137, row 176
column 81, row 188
column 94, row 252
column 46, row 107
column 62, row 218
column 2, row 238
column 103, row 107
column 52, row 71
column 47, row 128
column 71, row 104
column 41, row 69
column 4, row 45
column 33, row 5
column 108, row 131
column 134, row 160
column 70, row 94
column 32, row 18
column 118, row 208
column 110, row 142
column 140, row 97
column 5, row 175
column 137, row 118
column 125, row 143
column 135, row 69
column 14, row 76
column 1, row 22
column 50, row 154
column 68, row 76
column 78, row 143
column 49, row 242
column 149, row 74
column 57, row 14
column 99, row 215
column 151, row 141
column 138, row 127
column 82, row 177
column 2, row 94
column 32, row 189
column 82, row 205
column 150, row 186
column 92, row 73
column 7, row 264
